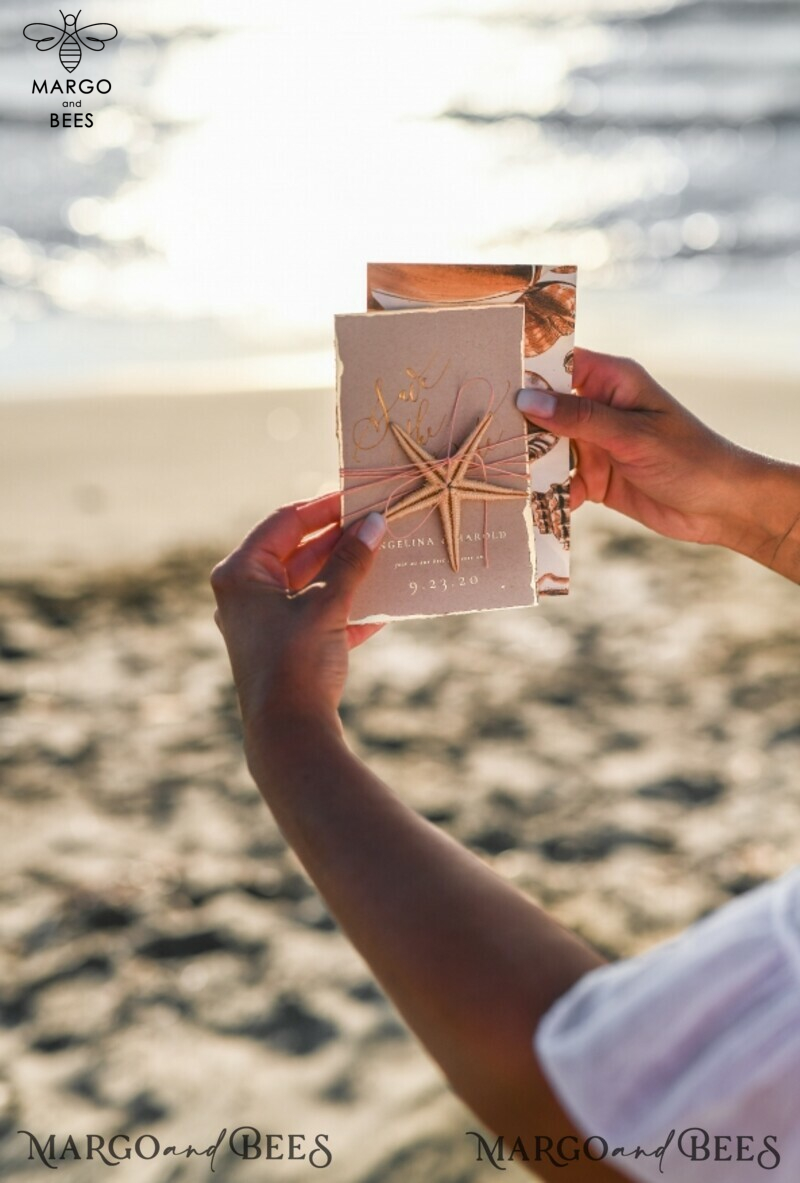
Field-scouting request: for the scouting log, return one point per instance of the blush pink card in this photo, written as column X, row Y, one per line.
column 429, row 434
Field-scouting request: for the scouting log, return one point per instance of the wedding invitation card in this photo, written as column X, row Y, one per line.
column 430, row 436
column 547, row 295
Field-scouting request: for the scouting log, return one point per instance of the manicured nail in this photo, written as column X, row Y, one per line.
column 372, row 530
column 537, row 402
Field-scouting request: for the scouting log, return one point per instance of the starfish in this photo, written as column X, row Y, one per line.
column 446, row 485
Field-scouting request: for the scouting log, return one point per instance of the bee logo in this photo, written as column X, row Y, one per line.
column 70, row 38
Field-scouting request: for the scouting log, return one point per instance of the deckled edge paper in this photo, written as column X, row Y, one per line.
column 548, row 294
column 443, row 402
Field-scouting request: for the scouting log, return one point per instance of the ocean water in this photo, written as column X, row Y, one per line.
column 251, row 157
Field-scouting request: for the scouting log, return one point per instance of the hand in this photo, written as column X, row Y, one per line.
column 639, row 451
column 283, row 599
column 644, row 454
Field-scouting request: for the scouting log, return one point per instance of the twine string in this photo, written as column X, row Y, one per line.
column 377, row 476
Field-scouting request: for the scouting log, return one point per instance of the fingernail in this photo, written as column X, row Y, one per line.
column 372, row 530
column 537, row 402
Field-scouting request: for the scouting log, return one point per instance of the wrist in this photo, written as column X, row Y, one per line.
column 763, row 518
column 277, row 733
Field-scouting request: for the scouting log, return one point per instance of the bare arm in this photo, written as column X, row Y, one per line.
column 469, row 961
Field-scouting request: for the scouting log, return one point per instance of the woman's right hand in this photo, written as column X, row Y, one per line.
column 644, row 454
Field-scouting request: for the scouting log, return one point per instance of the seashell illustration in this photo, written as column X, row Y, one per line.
column 549, row 304
column 551, row 512
column 569, row 361
column 540, row 443
column 415, row 285
column 549, row 314
column 534, row 381
column 564, row 270
column 551, row 584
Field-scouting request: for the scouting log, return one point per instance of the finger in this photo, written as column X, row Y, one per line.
column 577, row 491
column 283, row 531
column 350, row 560
column 592, row 471
column 320, row 511
column 580, row 418
column 618, row 382
column 599, row 375
column 357, row 634
column 307, row 561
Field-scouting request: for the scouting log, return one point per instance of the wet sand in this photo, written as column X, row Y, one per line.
column 628, row 755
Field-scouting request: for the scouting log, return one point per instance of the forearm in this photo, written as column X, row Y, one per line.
column 764, row 517
column 470, row 962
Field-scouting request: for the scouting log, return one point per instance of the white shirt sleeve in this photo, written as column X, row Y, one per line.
column 701, row 1033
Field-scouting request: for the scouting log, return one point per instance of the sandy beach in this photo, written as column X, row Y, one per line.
column 169, row 280
column 628, row 755
column 104, row 480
